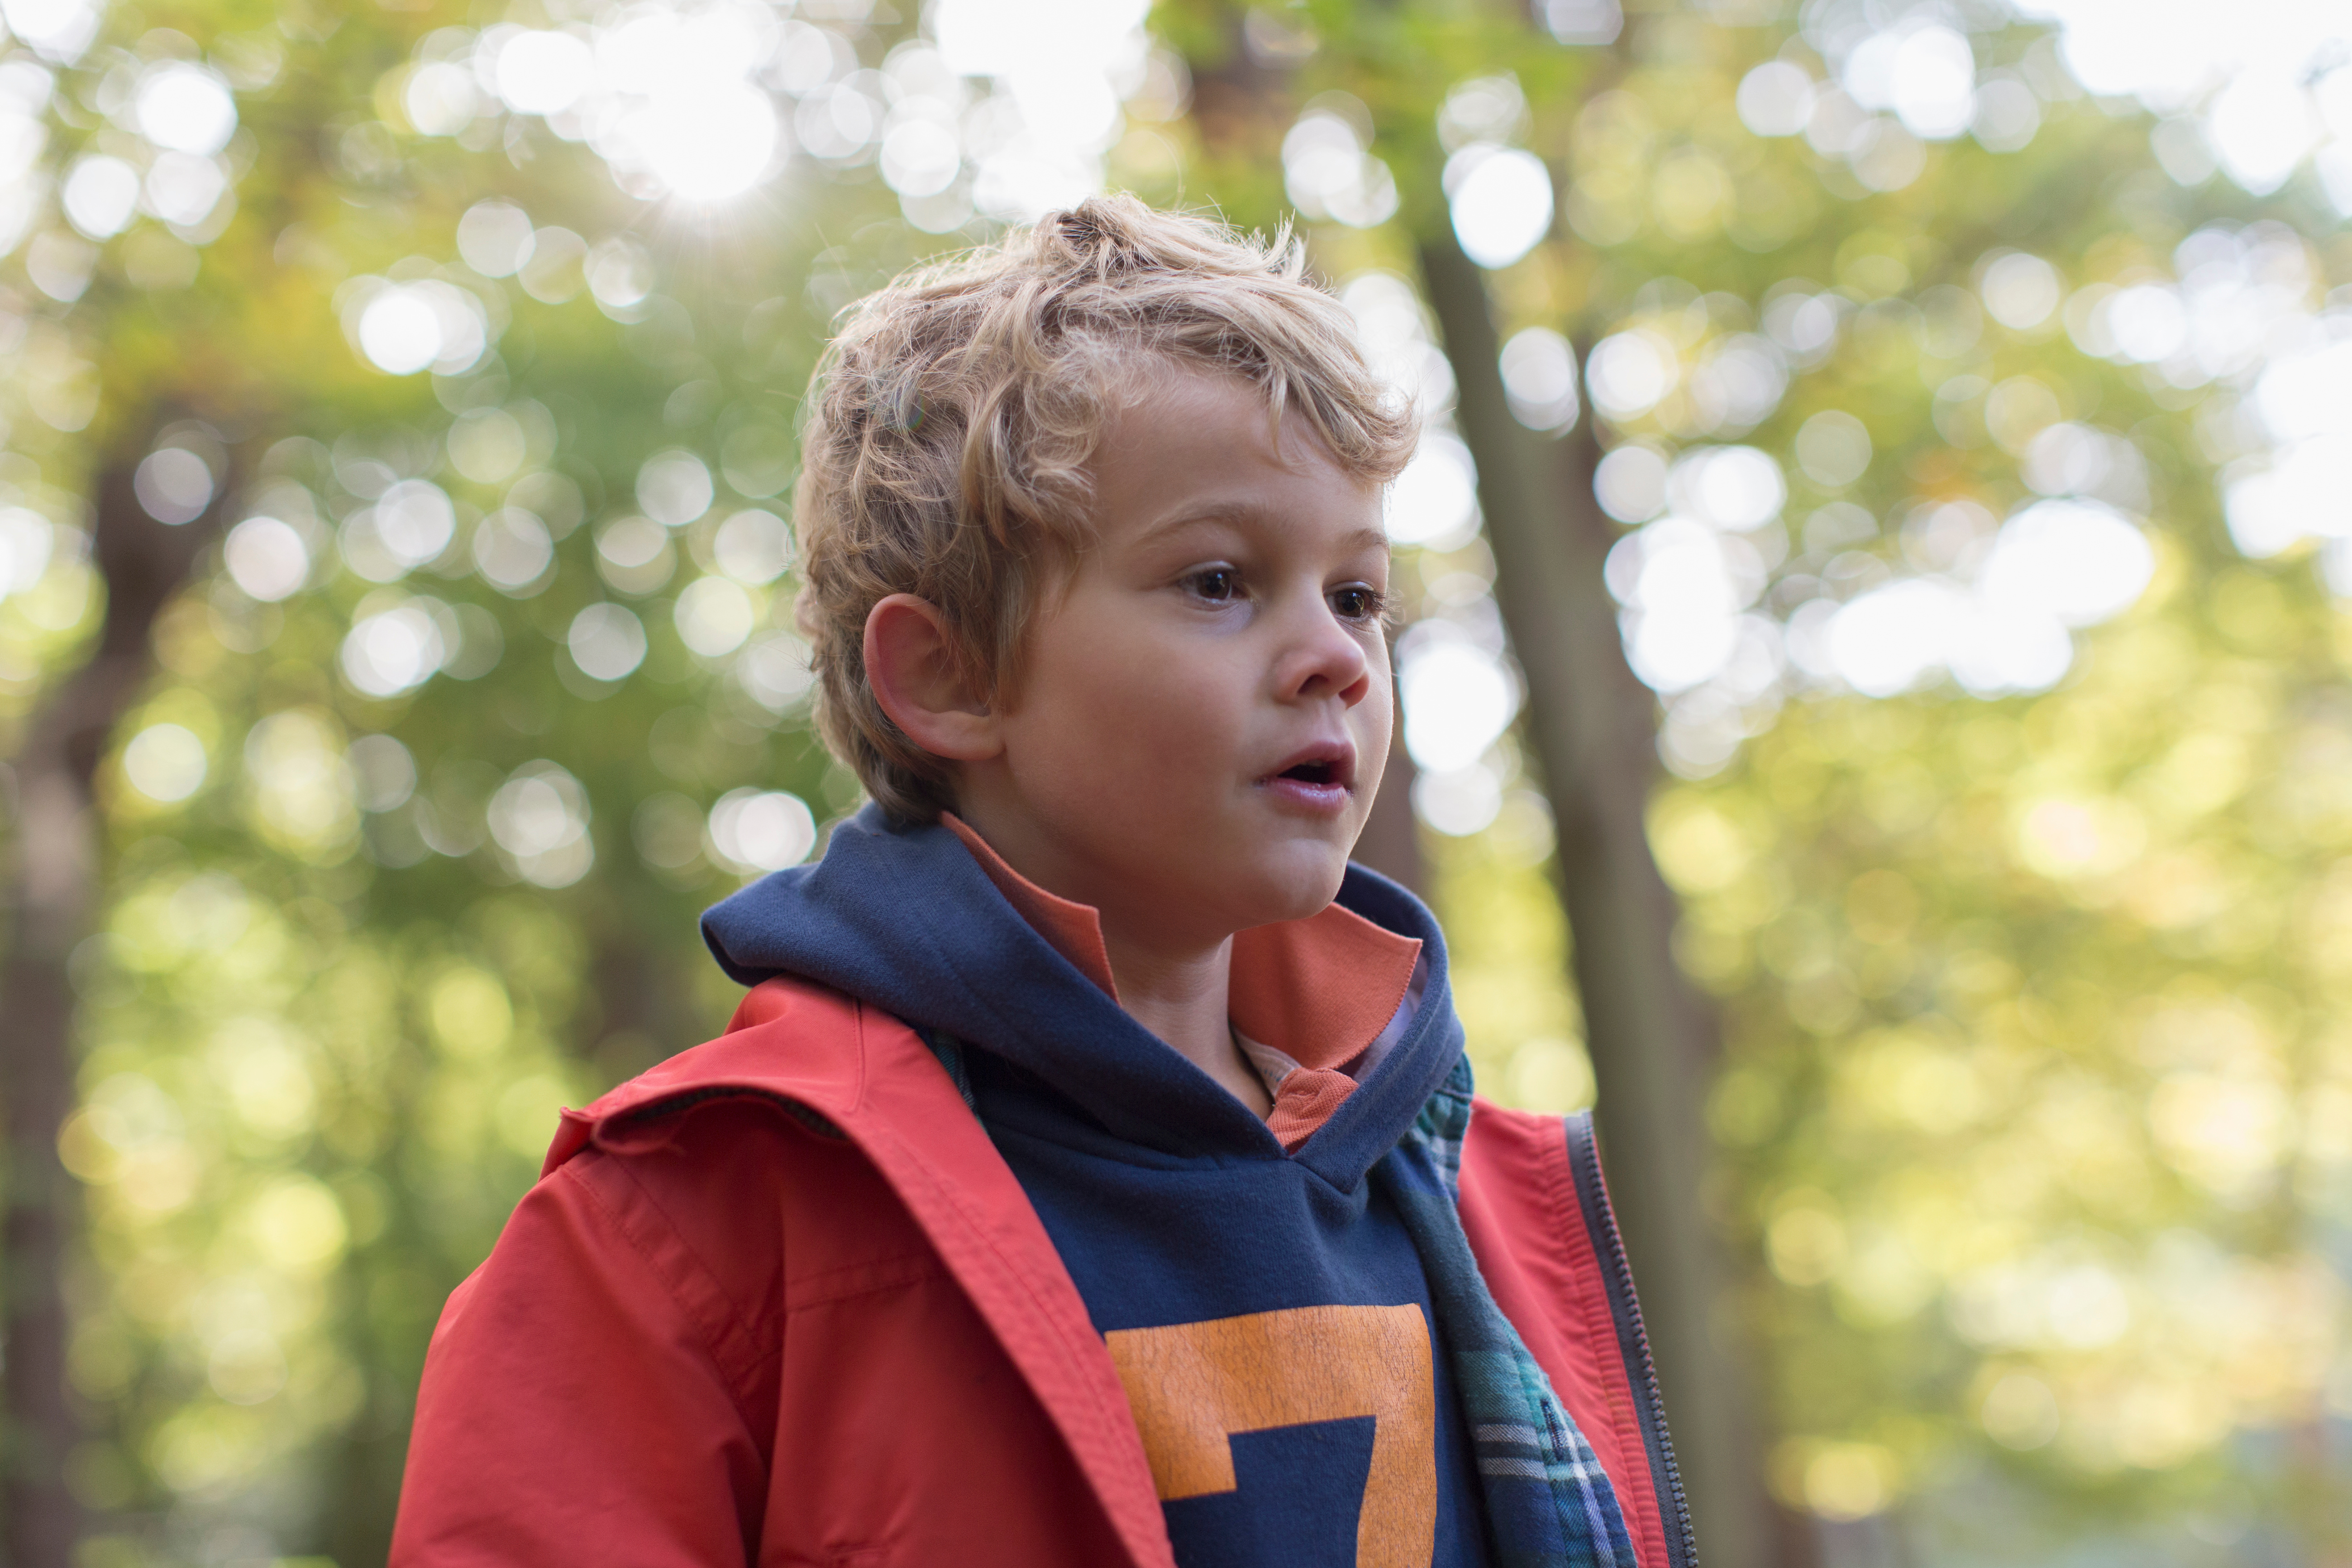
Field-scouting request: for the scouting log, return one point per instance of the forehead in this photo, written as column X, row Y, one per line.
column 1152, row 389
column 1180, row 442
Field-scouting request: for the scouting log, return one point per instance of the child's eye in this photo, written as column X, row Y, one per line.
column 1218, row 584
column 1358, row 601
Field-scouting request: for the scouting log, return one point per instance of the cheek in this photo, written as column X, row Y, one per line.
column 1122, row 706
column 1380, row 707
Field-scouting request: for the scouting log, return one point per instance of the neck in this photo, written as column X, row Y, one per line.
column 1173, row 984
column 1180, row 996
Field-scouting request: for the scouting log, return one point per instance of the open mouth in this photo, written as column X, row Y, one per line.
column 1322, row 775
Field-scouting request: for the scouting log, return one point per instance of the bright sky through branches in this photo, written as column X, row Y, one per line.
column 1005, row 107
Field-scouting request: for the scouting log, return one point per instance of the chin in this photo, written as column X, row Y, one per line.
column 1297, row 881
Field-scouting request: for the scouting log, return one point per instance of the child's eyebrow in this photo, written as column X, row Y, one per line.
column 1207, row 514
column 1237, row 512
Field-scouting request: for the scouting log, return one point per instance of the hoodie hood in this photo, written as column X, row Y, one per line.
column 907, row 920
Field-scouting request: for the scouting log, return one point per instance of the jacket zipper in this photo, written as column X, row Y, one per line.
column 1633, row 1339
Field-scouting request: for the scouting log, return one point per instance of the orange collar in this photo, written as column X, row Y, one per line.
column 1317, row 990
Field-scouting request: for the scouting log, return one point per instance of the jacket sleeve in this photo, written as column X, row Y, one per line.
column 572, row 1410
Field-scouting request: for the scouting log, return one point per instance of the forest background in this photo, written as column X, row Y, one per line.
column 1872, row 659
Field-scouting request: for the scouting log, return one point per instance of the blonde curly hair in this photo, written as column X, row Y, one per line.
column 950, row 420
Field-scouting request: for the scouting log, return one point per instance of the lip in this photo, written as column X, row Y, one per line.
column 1330, row 783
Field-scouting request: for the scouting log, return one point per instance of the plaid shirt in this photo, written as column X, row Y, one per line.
column 1548, row 1502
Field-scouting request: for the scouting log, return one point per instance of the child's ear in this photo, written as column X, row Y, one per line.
column 918, row 682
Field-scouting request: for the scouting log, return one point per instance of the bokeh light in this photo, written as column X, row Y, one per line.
column 1458, row 699
column 1460, row 802
column 100, row 195
column 185, row 190
column 753, row 546
column 1629, row 373
column 1434, row 501
column 1394, row 329
column 1539, row 368
column 267, row 557
column 1629, row 482
column 384, row 772
column 539, row 817
column 1924, row 71
column 634, row 554
column 1501, row 202
column 1058, row 67
column 512, row 551
column 487, row 445
column 412, row 519
column 1776, row 99
column 1737, row 487
column 173, row 485
column 184, row 107
column 26, row 542
column 674, row 488
column 165, row 763
column 2055, row 564
column 606, row 642
column 2076, row 561
column 405, row 328
column 58, row 29
column 755, row 830
column 2303, row 398
column 705, row 145
column 392, row 650
column 1834, row 449
column 542, row 72
column 2020, row 290
column 1329, row 174
column 495, row 237
column 1682, row 585
column 773, row 671
column 2243, row 73
column 713, row 616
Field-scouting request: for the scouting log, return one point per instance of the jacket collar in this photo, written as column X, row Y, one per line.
column 907, row 920
column 1318, row 990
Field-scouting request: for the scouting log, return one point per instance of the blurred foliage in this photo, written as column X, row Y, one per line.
column 2038, row 1107
column 2036, row 1112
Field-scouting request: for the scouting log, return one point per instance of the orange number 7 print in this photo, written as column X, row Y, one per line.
column 1193, row 1386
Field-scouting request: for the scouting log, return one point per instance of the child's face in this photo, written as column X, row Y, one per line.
column 1204, row 711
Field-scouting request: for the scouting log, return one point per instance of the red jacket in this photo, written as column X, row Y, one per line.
column 779, row 1301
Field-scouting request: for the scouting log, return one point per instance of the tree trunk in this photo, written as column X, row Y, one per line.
column 1652, row 1040
column 52, row 891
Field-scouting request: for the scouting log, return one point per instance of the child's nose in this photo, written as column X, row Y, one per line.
column 1328, row 659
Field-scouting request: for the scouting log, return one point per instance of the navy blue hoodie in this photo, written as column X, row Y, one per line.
column 1243, row 1290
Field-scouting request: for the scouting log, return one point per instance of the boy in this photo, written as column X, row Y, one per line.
column 1080, row 1182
